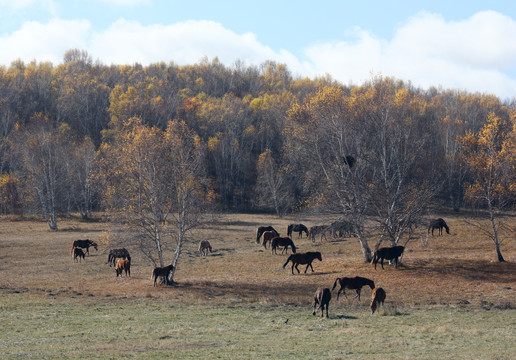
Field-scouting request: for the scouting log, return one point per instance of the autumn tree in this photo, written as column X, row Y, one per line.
column 271, row 189
column 41, row 152
column 490, row 157
column 154, row 185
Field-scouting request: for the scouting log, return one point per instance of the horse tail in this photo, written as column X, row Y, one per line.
column 289, row 258
column 335, row 284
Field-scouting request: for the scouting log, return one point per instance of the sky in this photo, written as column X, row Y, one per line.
column 466, row 45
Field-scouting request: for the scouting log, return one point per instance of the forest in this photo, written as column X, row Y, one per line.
column 144, row 142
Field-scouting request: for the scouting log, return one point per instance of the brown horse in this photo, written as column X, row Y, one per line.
column 322, row 298
column 162, row 272
column 303, row 258
column 263, row 229
column 438, row 224
column 355, row 283
column 123, row 265
column 204, row 247
column 84, row 244
column 389, row 253
column 78, row 253
column 318, row 230
column 377, row 297
column 268, row 236
column 299, row 228
column 284, row 242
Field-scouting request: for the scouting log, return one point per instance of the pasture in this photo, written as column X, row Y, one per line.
column 448, row 300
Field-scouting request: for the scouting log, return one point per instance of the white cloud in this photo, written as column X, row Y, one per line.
column 471, row 54
column 44, row 42
column 474, row 54
column 17, row 5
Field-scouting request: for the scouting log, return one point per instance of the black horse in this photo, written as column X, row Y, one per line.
column 322, row 298
column 84, row 244
column 299, row 228
column 303, row 258
column 389, row 253
column 263, row 229
column 117, row 254
column 162, row 272
column 355, row 283
column 438, row 224
column 284, row 242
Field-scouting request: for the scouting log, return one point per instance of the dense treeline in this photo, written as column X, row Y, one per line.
column 270, row 141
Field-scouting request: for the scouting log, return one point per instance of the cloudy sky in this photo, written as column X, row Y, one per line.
column 458, row 44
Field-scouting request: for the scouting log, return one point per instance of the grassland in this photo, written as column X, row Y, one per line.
column 448, row 300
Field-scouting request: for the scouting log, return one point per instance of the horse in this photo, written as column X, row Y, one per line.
column 204, row 247
column 285, row 242
column 389, row 253
column 377, row 297
column 342, row 228
column 117, row 253
column 78, row 254
column 303, row 258
column 268, row 236
column 318, row 230
column 352, row 283
column 322, row 297
column 263, row 229
column 123, row 265
column 162, row 271
column 438, row 224
column 85, row 244
column 299, row 228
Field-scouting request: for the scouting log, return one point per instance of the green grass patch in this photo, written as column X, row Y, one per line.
column 154, row 329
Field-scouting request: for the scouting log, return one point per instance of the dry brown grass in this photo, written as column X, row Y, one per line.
column 459, row 268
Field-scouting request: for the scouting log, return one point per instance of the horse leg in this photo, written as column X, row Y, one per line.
column 297, row 264
column 381, row 262
column 358, row 294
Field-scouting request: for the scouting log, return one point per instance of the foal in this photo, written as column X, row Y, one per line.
column 377, row 297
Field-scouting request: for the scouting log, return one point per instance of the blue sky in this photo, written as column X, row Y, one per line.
column 460, row 44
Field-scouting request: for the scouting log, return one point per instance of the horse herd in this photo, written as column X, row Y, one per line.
column 121, row 259
column 322, row 295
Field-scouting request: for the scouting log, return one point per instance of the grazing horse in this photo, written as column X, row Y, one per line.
column 322, row 297
column 204, row 247
column 263, row 229
column 377, row 297
column 389, row 253
column 352, row 283
column 303, row 258
column 85, row 244
column 268, row 236
column 318, row 230
column 342, row 228
column 123, row 265
column 162, row 272
column 299, row 228
column 438, row 224
column 285, row 242
column 78, row 254
column 117, row 254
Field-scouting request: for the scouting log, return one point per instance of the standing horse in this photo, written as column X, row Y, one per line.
column 322, row 297
column 84, row 244
column 299, row 228
column 303, row 258
column 318, row 230
column 438, row 224
column 352, row 283
column 285, row 242
column 377, row 297
column 268, row 236
column 389, row 253
column 78, row 254
column 204, row 247
column 263, row 229
column 114, row 254
column 162, row 272
column 123, row 265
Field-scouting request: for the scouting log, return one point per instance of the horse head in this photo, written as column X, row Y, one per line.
column 318, row 256
column 293, row 247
